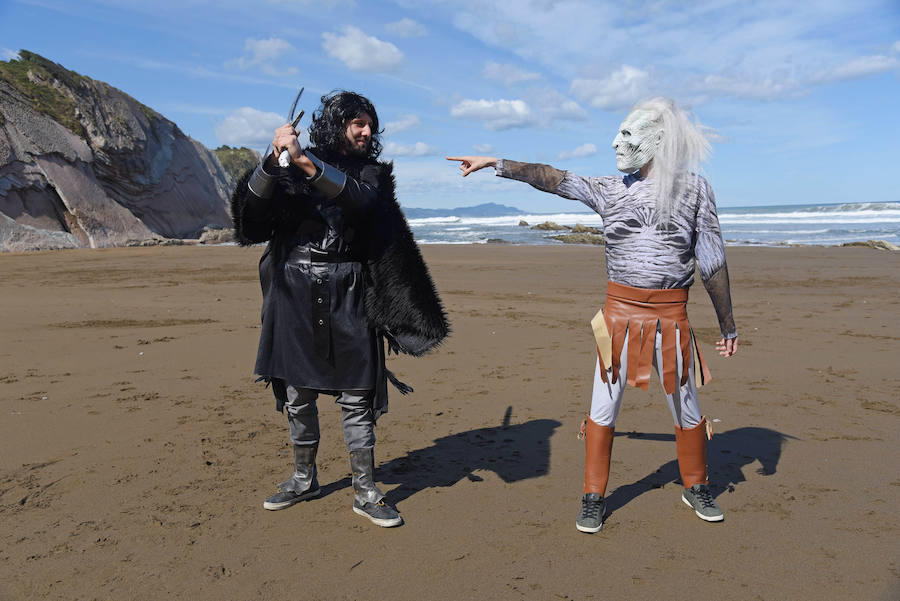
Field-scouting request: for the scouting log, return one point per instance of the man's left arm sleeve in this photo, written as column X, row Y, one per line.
column 710, row 253
column 354, row 197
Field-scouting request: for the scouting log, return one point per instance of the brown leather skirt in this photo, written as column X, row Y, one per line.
column 636, row 313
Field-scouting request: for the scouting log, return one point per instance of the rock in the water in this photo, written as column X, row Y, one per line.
column 584, row 229
column 84, row 164
column 583, row 238
column 551, row 226
column 523, row 223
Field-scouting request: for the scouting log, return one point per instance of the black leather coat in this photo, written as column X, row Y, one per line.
column 339, row 276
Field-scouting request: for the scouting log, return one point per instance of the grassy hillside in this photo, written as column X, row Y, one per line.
column 236, row 160
column 33, row 76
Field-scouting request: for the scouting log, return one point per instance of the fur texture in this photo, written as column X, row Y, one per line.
column 402, row 303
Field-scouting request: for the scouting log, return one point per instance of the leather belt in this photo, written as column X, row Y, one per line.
column 306, row 255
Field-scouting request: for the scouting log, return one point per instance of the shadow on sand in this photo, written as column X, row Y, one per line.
column 727, row 453
column 513, row 452
column 522, row 451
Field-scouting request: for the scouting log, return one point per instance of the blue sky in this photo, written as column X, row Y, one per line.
column 804, row 96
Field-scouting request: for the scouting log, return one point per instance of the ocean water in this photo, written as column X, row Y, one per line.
column 827, row 224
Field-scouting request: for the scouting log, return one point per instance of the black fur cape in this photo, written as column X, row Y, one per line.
column 402, row 303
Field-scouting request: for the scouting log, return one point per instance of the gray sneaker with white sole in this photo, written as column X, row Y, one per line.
column 701, row 501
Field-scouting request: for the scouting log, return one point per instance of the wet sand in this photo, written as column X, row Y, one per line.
column 137, row 449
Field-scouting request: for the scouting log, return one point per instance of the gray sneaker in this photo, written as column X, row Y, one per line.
column 593, row 509
column 284, row 499
column 701, row 501
column 380, row 513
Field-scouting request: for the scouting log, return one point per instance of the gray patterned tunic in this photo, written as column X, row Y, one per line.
column 638, row 253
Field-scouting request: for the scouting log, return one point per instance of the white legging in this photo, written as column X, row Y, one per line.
column 607, row 397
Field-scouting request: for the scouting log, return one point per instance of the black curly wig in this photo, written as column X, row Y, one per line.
column 329, row 121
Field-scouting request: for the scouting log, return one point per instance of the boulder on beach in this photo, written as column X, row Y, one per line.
column 876, row 244
column 217, row 235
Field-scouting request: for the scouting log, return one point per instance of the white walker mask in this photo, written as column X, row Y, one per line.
column 637, row 141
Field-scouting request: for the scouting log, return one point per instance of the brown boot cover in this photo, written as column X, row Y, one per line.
column 597, row 450
column 691, row 446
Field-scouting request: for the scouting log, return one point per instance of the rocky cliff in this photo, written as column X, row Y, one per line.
column 83, row 164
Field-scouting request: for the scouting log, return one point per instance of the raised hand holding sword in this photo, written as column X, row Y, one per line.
column 286, row 144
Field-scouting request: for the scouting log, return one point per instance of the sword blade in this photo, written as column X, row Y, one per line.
column 294, row 105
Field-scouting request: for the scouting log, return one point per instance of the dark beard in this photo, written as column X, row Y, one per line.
column 352, row 149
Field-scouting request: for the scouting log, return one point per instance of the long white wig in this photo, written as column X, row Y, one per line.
column 684, row 145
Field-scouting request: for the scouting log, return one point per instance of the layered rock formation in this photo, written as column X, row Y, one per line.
column 83, row 164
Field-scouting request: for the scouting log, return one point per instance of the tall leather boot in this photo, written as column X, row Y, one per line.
column 598, row 442
column 597, row 451
column 691, row 446
column 368, row 500
column 303, row 484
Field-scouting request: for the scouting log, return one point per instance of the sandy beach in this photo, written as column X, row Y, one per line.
column 137, row 449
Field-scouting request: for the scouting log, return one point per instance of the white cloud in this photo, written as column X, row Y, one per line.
column 485, row 149
column 778, row 49
column 402, row 124
column 507, row 74
column 419, row 149
column 861, row 67
column 248, row 127
column 784, row 85
column 8, row 55
column 496, row 114
column 550, row 105
column 361, row 52
column 264, row 54
column 585, row 150
column 619, row 90
column 406, row 28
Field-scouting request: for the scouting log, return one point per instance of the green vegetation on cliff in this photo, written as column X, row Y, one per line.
column 237, row 161
column 34, row 77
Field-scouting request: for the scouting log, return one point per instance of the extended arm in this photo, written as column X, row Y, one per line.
column 545, row 178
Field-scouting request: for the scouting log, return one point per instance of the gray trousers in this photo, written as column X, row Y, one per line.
column 357, row 419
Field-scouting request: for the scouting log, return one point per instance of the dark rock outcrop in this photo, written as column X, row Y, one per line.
column 83, row 164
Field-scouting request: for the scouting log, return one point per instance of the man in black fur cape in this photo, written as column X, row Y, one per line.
column 341, row 275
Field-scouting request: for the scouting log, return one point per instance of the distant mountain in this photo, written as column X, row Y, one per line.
column 488, row 209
